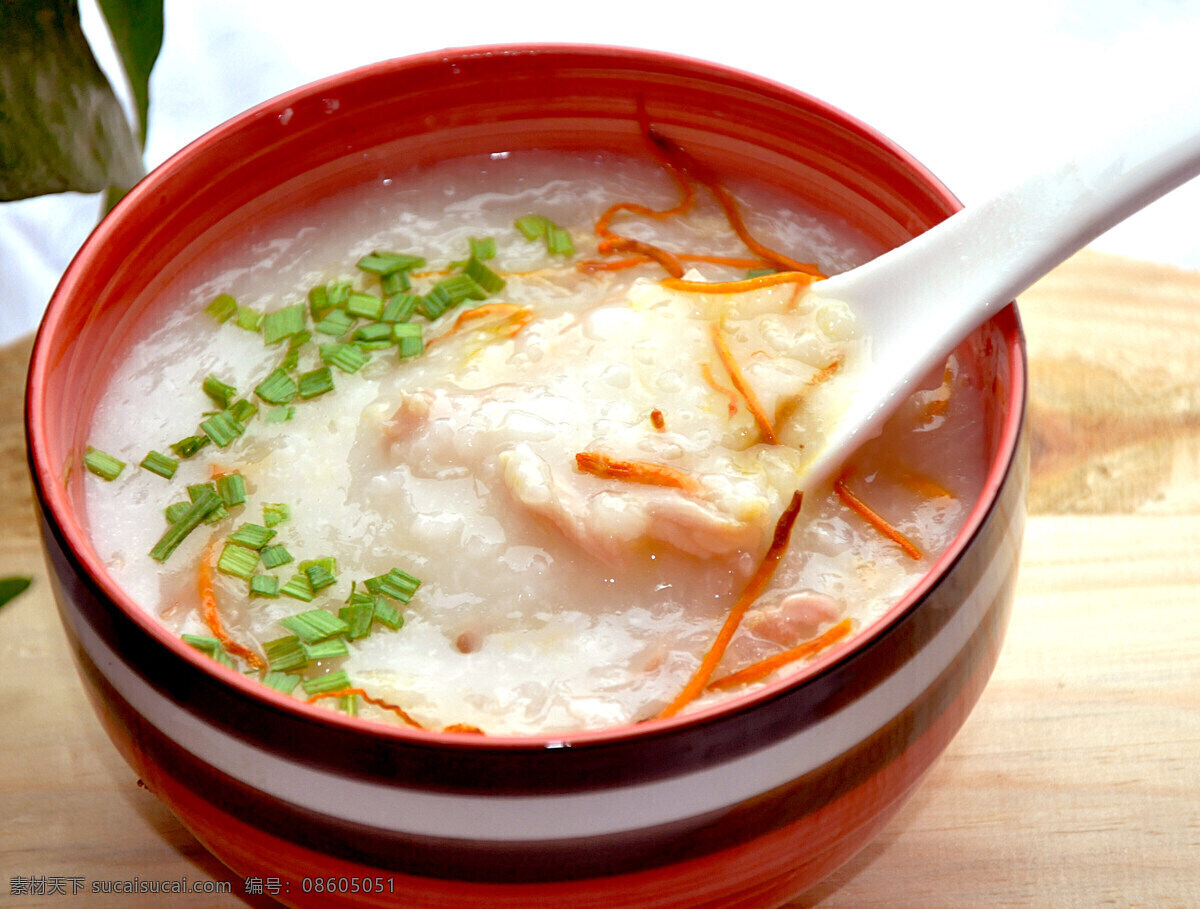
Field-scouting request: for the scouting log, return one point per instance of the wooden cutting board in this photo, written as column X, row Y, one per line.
column 1075, row 782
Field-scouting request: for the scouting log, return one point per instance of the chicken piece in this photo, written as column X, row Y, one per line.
column 795, row 618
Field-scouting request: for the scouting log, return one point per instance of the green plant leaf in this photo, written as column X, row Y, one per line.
column 61, row 127
column 136, row 27
column 11, row 587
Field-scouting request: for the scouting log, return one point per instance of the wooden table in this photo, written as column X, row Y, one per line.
column 1076, row 781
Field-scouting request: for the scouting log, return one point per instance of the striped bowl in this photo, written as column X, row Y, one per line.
column 741, row 805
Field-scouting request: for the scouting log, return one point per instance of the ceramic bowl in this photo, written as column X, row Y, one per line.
column 741, row 805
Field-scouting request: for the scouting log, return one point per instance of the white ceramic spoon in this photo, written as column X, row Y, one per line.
column 919, row 301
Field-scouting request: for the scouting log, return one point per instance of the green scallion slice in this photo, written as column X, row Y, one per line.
column 277, row 388
column 399, row 308
column 274, row 556
column 760, row 272
column 243, row 411
column 318, row 302
column 326, row 650
column 558, row 242
column 264, row 585
column 358, row 617
column 249, row 319
column 397, row 584
column 222, row 307
column 283, row 323
column 202, row 642
column 280, row 414
column 532, row 226
column 205, row 502
column 158, row 463
column 284, row 682
column 349, row 704
column 220, row 393
column 483, row 276
column 408, row 338
column 395, row 282
column 238, row 561
column 434, row 303
column 276, row 513
column 382, row 262
column 222, row 428
column 335, row 324
column 298, row 588
column 176, row 510
column 102, row 464
column 285, row 653
column 315, row 383
column 483, row 247
column 187, row 447
column 461, row 287
column 319, row 576
column 252, row 536
column 231, row 487
column 364, row 306
column 323, row 684
column 346, row 357
column 314, row 625
column 376, row 331
column 195, row 490
column 387, row 614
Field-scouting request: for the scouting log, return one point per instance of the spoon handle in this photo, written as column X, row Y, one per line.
column 923, row 298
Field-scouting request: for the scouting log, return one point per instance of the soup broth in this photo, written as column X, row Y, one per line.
column 581, row 465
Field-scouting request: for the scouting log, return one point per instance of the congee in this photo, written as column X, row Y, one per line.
column 475, row 448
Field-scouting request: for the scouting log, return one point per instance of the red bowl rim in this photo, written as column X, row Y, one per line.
column 54, row 499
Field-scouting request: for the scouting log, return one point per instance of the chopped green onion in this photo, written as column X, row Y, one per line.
column 383, row 263
column 160, row 464
column 434, row 303
column 376, row 331
column 335, row 324
column 358, row 617
column 483, row 248
column 102, row 464
column 461, row 287
column 394, row 283
column 231, row 487
column 284, row 682
column 315, row 383
column 283, row 323
column 319, row 577
column 331, row 681
column 274, row 556
column 204, row 503
column 326, row 650
column 364, row 306
column 483, row 276
column 185, row 448
column 759, row 272
column 249, row 319
column 243, row 411
column 291, row 359
column 277, row 388
column 345, row 357
column 222, row 307
column 314, row 625
column 298, row 588
column 280, row 414
column 284, row 654
column 397, row 584
column 387, row 614
column 558, row 241
column 252, row 536
column 275, row 513
column 176, row 510
column 349, row 704
column 408, row 338
column 238, row 561
column 340, row 292
column 222, row 428
column 196, row 490
column 221, row 393
column 399, row 308
column 318, row 302
column 264, row 585
column 202, row 642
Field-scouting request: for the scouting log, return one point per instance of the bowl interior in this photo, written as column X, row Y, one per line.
column 339, row 133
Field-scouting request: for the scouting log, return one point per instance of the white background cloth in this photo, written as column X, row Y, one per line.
column 981, row 93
